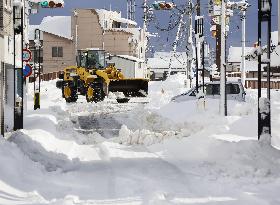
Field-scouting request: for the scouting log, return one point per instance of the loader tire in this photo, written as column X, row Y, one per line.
column 69, row 94
column 95, row 93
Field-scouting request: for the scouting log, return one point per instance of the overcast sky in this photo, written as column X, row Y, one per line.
column 163, row 18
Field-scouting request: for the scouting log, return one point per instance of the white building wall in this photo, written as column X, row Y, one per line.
column 130, row 68
column 140, row 70
column 127, row 67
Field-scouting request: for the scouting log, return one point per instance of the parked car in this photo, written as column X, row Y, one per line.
column 234, row 90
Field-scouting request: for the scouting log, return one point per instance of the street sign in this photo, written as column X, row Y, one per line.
column 27, row 70
column 26, row 55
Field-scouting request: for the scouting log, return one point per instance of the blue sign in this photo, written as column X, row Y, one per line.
column 27, row 70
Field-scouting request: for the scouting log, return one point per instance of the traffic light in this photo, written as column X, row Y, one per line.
column 162, row 5
column 51, row 4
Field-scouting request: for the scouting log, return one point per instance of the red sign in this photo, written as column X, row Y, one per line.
column 26, row 55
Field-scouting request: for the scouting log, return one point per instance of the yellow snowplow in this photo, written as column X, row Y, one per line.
column 94, row 80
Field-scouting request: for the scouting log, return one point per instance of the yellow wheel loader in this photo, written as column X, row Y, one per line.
column 93, row 79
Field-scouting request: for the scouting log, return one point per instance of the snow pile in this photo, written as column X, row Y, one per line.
column 186, row 153
column 35, row 152
column 143, row 137
column 248, row 160
column 161, row 92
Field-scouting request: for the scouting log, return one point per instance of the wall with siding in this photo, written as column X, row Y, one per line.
column 53, row 64
column 91, row 35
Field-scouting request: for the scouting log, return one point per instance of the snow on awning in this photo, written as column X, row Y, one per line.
column 123, row 20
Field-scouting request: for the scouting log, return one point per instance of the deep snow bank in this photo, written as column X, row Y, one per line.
column 160, row 92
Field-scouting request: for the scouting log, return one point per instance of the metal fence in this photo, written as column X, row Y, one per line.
column 253, row 84
column 46, row 76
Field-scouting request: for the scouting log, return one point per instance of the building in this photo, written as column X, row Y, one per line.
column 57, row 47
column 88, row 28
column 6, row 66
column 1, row 67
column 159, row 64
column 107, row 30
column 12, row 91
column 135, row 65
column 251, row 66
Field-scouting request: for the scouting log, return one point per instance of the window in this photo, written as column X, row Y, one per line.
column 116, row 24
column 57, row 52
column 60, row 51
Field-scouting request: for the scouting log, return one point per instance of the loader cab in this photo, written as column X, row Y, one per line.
column 91, row 59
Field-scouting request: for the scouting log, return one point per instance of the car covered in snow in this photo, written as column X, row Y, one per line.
column 234, row 90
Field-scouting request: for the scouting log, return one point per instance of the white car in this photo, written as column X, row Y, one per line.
column 234, row 90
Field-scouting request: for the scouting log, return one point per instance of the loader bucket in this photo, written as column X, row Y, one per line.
column 130, row 87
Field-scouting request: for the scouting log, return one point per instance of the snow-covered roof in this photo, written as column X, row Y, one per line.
column 132, row 58
column 124, row 20
column 235, row 54
column 107, row 17
column 57, row 25
column 162, row 60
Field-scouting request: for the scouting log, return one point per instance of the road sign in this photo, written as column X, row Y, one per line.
column 27, row 70
column 26, row 55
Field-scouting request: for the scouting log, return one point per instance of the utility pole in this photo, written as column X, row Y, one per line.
column 75, row 14
column 264, row 107
column 175, row 43
column 190, row 42
column 196, row 47
column 243, row 66
column 144, row 35
column 218, row 46
column 223, row 102
column 37, row 72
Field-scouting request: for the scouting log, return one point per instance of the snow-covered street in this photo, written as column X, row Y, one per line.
column 147, row 151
